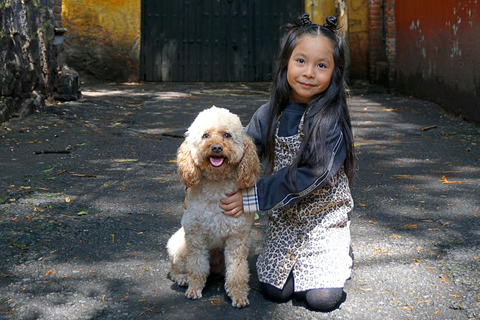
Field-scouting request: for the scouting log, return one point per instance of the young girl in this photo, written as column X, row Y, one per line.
column 304, row 138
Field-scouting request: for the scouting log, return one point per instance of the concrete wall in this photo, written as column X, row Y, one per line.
column 103, row 38
column 438, row 53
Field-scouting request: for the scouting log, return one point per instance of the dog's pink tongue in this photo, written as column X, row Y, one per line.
column 216, row 162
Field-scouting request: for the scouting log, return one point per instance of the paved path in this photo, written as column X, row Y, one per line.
column 83, row 229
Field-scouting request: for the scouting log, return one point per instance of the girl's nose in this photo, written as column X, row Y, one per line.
column 309, row 72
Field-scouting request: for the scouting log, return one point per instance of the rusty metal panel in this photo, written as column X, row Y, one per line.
column 212, row 40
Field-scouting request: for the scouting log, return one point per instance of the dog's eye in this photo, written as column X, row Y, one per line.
column 205, row 136
column 227, row 135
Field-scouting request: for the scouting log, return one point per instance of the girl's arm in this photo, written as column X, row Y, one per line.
column 276, row 191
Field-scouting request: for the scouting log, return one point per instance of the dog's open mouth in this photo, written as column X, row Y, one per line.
column 217, row 161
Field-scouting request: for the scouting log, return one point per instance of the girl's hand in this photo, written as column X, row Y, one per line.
column 233, row 205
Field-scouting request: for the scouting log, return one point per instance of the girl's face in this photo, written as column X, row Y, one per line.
column 310, row 68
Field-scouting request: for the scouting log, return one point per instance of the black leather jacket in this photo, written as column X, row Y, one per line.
column 275, row 191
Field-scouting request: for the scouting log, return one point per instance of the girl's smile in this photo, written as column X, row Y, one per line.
column 310, row 68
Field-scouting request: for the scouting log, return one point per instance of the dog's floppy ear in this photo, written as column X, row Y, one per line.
column 249, row 167
column 188, row 172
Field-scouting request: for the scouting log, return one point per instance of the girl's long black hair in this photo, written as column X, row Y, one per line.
column 326, row 110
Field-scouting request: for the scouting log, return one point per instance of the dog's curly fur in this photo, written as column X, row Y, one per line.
column 216, row 158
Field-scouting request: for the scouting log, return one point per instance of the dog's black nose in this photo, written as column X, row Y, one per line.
column 216, row 148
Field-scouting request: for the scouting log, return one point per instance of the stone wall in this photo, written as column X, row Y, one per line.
column 29, row 55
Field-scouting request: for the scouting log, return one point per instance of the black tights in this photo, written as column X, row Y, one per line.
column 317, row 299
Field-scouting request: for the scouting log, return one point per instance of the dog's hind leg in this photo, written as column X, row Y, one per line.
column 198, row 266
column 177, row 252
column 237, row 274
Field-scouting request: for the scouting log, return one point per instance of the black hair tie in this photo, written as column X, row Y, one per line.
column 331, row 23
column 305, row 20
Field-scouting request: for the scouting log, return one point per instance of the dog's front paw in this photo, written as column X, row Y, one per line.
column 193, row 293
column 180, row 279
column 240, row 303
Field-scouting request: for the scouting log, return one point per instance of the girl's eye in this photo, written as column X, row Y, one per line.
column 205, row 136
column 321, row 66
column 227, row 135
column 300, row 61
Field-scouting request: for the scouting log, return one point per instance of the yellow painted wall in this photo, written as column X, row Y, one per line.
column 359, row 44
column 110, row 30
column 356, row 30
column 319, row 10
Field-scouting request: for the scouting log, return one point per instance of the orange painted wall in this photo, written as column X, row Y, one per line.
column 103, row 37
column 438, row 53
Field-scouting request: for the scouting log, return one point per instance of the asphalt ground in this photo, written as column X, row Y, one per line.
column 89, row 197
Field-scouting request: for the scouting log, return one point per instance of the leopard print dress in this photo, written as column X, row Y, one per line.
column 312, row 236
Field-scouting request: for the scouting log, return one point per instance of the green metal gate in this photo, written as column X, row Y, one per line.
column 212, row 40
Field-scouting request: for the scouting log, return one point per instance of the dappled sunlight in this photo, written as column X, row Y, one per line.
column 74, row 286
column 84, row 233
column 161, row 95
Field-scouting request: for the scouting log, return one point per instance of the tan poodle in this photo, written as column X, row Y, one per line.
column 216, row 158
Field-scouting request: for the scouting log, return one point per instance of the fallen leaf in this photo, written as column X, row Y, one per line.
column 396, row 236
column 424, row 301
column 378, row 250
column 419, row 249
column 406, row 308
column 215, row 302
column 50, row 272
column 82, row 213
column 446, row 181
column 410, row 226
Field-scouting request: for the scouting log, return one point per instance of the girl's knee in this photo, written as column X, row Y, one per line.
column 278, row 295
column 324, row 299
